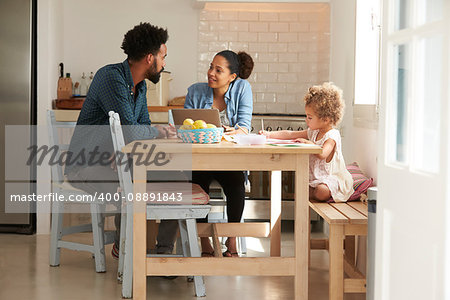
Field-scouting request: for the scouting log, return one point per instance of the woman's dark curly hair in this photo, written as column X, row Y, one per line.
column 326, row 101
column 142, row 40
column 240, row 63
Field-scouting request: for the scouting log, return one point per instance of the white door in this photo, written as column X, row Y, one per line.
column 413, row 227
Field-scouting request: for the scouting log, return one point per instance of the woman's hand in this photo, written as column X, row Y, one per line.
column 229, row 130
column 303, row 141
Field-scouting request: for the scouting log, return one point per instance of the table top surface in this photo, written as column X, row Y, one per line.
column 224, row 147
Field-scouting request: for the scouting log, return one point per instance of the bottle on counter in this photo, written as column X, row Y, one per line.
column 75, row 87
column 91, row 77
column 83, row 85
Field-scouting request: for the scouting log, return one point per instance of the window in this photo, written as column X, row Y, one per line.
column 415, row 42
column 367, row 52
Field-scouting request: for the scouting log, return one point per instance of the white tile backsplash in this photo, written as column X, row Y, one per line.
column 208, row 36
column 278, row 47
column 288, row 16
column 248, row 15
column 238, row 46
column 261, row 68
column 218, row 26
column 267, row 57
column 228, row 36
column 217, row 46
column 267, row 77
column 258, row 47
column 288, row 57
column 268, row 16
column 287, row 77
column 278, row 67
column 291, row 51
column 278, row 27
column 264, row 37
column 247, row 37
column 239, row 26
column 258, row 27
column 228, row 15
column 288, row 37
column 299, row 27
column 206, row 15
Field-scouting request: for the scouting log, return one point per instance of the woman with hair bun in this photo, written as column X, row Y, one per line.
column 229, row 92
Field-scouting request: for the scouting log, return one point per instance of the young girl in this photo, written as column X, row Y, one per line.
column 328, row 175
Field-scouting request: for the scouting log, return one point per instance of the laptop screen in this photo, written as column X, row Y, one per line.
column 210, row 116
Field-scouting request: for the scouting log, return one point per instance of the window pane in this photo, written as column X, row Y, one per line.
column 400, row 103
column 428, row 106
column 402, row 14
column 367, row 51
column 430, row 10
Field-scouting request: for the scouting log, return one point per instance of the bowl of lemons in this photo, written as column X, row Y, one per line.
column 199, row 132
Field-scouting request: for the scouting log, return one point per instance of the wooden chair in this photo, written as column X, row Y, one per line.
column 62, row 187
column 185, row 214
column 346, row 221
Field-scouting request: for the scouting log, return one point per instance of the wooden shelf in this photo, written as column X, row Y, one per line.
column 163, row 108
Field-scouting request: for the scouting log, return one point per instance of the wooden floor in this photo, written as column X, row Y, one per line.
column 25, row 274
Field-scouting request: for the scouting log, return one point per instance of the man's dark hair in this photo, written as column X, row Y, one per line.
column 142, row 40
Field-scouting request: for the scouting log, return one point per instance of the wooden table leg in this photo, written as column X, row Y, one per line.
column 301, row 227
column 275, row 214
column 139, row 234
column 336, row 252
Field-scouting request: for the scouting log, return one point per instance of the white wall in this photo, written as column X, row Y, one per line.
column 93, row 32
column 359, row 144
column 49, row 51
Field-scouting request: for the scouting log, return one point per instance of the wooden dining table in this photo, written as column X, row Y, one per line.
column 226, row 156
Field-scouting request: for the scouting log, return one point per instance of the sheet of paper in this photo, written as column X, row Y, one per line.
column 277, row 141
column 287, row 143
column 229, row 138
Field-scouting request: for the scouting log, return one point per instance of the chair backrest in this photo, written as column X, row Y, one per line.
column 123, row 170
column 170, row 117
column 54, row 140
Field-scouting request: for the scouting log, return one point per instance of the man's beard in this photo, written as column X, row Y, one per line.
column 152, row 74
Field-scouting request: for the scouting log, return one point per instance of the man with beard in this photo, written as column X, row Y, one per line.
column 121, row 88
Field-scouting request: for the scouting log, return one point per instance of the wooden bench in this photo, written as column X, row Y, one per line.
column 346, row 221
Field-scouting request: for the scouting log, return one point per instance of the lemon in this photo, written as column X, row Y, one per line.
column 199, row 124
column 210, row 126
column 186, row 127
column 188, row 122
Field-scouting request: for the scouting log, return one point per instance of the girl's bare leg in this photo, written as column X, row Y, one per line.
column 322, row 192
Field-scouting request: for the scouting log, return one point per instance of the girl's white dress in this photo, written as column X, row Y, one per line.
column 334, row 173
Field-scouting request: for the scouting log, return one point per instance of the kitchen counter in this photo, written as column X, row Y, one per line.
column 158, row 114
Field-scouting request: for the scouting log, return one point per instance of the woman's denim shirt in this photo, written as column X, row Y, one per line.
column 238, row 98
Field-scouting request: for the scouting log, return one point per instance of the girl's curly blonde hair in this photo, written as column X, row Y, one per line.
column 326, row 101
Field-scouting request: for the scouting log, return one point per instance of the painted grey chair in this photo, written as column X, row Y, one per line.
column 62, row 187
column 185, row 214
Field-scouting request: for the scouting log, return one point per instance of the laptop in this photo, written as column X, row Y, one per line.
column 210, row 116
